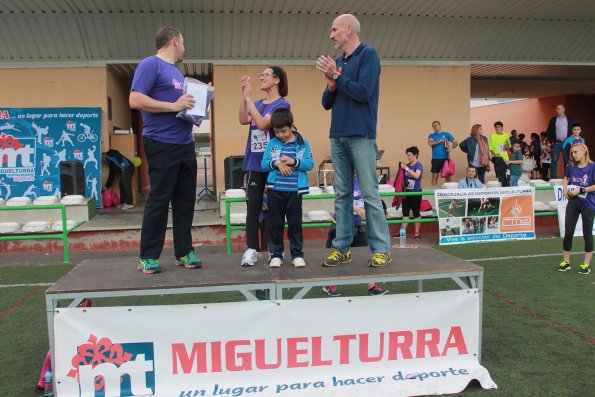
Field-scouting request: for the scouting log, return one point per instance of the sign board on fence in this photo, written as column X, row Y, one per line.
column 33, row 141
column 397, row 345
column 472, row 215
column 561, row 202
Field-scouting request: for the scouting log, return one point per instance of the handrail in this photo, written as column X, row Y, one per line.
column 230, row 227
column 42, row 235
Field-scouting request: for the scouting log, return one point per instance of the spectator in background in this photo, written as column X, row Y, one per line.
column 470, row 181
column 571, row 140
column 499, row 145
column 441, row 143
column 513, row 137
column 360, row 238
column 559, row 128
column 546, row 156
column 413, row 173
column 516, row 164
column 478, row 152
column 524, row 144
column 118, row 164
column 535, row 151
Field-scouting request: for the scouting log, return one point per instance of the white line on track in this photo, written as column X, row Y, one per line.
column 25, row 285
column 504, row 258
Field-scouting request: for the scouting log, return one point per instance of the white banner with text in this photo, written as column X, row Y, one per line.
column 392, row 345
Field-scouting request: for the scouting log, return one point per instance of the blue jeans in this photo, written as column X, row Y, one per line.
column 556, row 149
column 358, row 154
column 514, row 180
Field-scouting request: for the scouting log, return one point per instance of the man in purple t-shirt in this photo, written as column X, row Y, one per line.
column 158, row 92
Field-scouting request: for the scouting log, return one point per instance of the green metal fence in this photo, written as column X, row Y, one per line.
column 42, row 235
column 230, row 228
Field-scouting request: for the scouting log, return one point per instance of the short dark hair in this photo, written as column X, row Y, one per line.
column 534, row 135
column 413, row 150
column 576, row 125
column 517, row 143
column 164, row 35
column 281, row 118
column 472, row 167
column 498, row 123
column 435, row 121
column 282, row 76
column 521, row 136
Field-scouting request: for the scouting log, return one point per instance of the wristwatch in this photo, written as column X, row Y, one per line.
column 583, row 190
column 336, row 75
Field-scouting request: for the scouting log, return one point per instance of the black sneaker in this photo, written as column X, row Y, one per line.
column 584, row 269
column 331, row 290
column 563, row 266
column 337, row 258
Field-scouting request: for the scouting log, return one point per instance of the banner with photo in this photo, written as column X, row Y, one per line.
column 471, row 215
column 561, row 202
column 33, row 141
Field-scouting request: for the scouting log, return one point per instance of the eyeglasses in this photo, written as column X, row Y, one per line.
column 265, row 75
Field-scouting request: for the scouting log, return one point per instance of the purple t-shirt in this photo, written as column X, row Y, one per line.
column 583, row 177
column 162, row 81
column 258, row 140
column 414, row 185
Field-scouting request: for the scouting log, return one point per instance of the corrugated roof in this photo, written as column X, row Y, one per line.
column 473, row 31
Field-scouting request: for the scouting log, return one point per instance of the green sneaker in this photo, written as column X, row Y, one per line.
column 337, row 258
column 563, row 266
column 189, row 261
column 584, row 269
column 149, row 266
column 380, row 259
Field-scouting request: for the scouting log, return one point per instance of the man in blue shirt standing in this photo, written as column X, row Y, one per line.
column 441, row 143
column 558, row 129
column 352, row 93
column 158, row 92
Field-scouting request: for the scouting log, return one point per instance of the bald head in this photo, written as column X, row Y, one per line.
column 345, row 33
column 348, row 20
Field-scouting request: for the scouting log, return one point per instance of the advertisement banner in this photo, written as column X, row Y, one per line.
column 34, row 140
column 561, row 202
column 297, row 348
column 472, row 215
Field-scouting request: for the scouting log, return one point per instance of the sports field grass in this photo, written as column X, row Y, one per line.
column 538, row 330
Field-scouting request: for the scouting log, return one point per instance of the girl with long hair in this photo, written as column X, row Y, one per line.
column 579, row 188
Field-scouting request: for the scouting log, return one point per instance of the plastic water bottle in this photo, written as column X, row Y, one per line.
column 402, row 235
column 48, row 389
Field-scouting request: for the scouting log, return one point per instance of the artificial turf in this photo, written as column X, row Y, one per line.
column 538, row 324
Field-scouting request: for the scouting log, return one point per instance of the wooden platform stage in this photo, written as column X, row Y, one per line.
column 222, row 272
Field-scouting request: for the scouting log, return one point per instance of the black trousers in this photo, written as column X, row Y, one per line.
column 254, row 185
column 281, row 205
column 172, row 170
column 500, row 169
column 126, row 186
column 574, row 208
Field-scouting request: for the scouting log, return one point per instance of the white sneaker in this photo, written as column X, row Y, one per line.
column 299, row 262
column 276, row 262
column 127, row 206
column 250, row 257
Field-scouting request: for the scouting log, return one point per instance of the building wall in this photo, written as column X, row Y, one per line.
column 56, row 87
column 410, row 99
